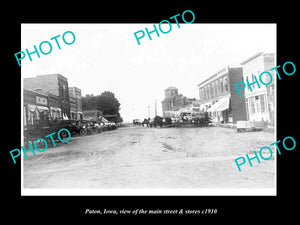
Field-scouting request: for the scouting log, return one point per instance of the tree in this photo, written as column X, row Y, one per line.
column 88, row 102
column 106, row 102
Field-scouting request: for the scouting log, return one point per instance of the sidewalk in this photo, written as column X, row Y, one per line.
column 224, row 125
column 269, row 128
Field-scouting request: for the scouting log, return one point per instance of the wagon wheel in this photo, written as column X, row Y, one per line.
column 64, row 134
column 83, row 132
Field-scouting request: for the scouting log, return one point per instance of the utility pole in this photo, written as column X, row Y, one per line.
column 148, row 111
column 155, row 107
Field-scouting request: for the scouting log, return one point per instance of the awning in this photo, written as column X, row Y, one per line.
column 196, row 109
column 42, row 108
column 220, row 105
column 31, row 108
column 202, row 107
column 65, row 117
column 103, row 120
column 55, row 109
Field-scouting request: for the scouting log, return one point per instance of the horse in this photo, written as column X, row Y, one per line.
column 160, row 121
column 145, row 122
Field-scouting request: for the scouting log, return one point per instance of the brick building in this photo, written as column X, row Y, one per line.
column 219, row 97
column 174, row 101
column 73, row 108
column 54, row 106
column 75, row 103
column 55, row 84
column 260, row 102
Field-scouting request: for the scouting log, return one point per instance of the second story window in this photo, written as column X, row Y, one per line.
column 253, row 81
column 226, row 83
column 221, row 85
column 215, row 88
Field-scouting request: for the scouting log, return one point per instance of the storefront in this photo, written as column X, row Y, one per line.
column 73, row 115
column 79, row 116
column 220, row 111
column 43, row 113
column 35, row 114
column 257, row 108
column 30, row 114
column 55, row 113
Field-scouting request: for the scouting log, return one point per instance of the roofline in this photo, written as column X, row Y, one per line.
column 251, row 58
column 224, row 69
column 171, row 88
column 57, row 74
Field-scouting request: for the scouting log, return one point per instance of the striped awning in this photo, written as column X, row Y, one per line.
column 31, row 108
column 55, row 109
column 220, row 105
column 42, row 108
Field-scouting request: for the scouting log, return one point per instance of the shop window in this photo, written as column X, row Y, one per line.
column 207, row 89
column 200, row 94
column 253, row 87
column 257, row 107
column 215, row 88
column 252, row 105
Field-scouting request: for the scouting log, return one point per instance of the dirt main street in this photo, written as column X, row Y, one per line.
column 140, row 157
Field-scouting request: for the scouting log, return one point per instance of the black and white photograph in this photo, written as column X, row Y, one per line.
column 149, row 111
column 143, row 109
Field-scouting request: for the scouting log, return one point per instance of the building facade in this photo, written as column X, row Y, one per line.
column 54, row 106
column 73, row 108
column 219, row 97
column 55, row 84
column 48, row 97
column 75, row 103
column 35, row 107
column 174, row 101
column 260, row 99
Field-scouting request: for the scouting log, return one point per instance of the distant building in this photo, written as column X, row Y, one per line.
column 54, row 106
column 73, row 108
column 174, row 101
column 218, row 96
column 93, row 114
column 260, row 102
column 75, row 103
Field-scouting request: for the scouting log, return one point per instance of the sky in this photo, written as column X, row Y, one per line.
column 107, row 57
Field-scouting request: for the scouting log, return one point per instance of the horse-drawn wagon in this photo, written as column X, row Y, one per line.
column 183, row 120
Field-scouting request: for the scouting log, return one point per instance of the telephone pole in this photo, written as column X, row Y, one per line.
column 155, row 107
